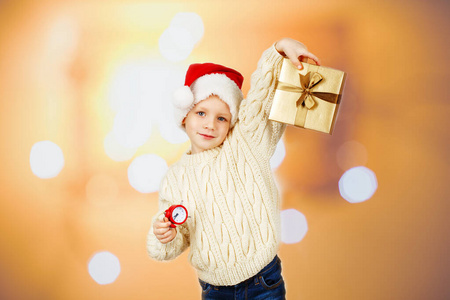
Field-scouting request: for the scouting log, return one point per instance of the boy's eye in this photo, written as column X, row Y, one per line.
column 222, row 119
column 200, row 113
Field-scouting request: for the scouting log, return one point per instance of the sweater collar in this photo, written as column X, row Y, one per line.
column 201, row 157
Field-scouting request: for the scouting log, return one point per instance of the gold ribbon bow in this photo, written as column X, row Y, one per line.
column 307, row 83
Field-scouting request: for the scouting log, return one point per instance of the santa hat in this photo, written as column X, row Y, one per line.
column 204, row 80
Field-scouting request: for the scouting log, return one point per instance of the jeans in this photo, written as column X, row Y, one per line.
column 268, row 284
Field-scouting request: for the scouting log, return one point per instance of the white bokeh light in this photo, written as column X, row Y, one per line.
column 358, row 184
column 136, row 84
column 132, row 94
column 178, row 40
column 126, row 85
column 46, row 159
column 146, row 172
column 293, row 226
column 132, row 127
column 278, row 156
column 192, row 22
column 104, row 267
column 169, row 79
column 140, row 93
column 116, row 151
column 172, row 133
column 176, row 43
column 168, row 129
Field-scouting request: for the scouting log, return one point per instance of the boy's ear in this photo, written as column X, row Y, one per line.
column 184, row 121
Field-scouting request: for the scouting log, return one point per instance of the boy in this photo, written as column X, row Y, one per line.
column 225, row 180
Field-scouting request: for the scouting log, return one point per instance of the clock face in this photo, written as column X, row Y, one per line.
column 179, row 214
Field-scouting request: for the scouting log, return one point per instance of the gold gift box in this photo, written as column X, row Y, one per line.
column 308, row 98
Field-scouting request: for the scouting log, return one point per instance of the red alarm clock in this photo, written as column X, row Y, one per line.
column 177, row 214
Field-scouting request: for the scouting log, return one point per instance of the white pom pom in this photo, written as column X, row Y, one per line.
column 183, row 97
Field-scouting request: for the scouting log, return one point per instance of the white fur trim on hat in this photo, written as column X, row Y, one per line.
column 221, row 86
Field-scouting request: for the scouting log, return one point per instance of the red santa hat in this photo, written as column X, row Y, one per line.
column 204, row 80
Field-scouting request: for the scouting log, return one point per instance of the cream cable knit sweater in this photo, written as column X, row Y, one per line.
column 229, row 191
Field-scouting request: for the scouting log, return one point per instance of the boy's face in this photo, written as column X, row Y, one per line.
column 207, row 124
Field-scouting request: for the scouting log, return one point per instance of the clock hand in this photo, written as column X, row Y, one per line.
column 175, row 216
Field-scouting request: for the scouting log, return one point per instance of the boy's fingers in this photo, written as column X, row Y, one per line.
column 167, row 222
column 295, row 60
column 304, row 58
column 168, row 238
column 311, row 56
column 168, row 233
column 163, row 233
column 165, row 241
column 162, row 224
column 165, row 227
column 162, row 230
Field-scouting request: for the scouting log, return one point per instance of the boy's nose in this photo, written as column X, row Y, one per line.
column 209, row 124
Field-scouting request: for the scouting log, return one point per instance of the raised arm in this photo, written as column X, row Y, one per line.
column 255, row 109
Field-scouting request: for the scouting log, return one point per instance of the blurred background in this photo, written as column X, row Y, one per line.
column 86, row 135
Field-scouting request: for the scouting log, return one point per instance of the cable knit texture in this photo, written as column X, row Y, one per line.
column 230, row 193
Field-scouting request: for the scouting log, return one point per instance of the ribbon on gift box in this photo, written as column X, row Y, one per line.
column 306, row 99
column 307, row 83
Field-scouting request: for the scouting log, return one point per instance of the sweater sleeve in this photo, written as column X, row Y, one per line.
column 171, row 250
column 255, row 109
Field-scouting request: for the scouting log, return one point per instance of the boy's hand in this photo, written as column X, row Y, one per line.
column 163, row 232
column 295, row 51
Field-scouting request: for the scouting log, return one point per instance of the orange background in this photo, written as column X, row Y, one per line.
column 393, row 246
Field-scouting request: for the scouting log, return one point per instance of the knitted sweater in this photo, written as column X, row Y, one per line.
column 229, row 192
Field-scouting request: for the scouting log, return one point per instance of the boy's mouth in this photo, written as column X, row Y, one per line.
column 206, row 136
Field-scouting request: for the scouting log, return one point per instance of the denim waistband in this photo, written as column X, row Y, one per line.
column 264, row 270
column 269, row 266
